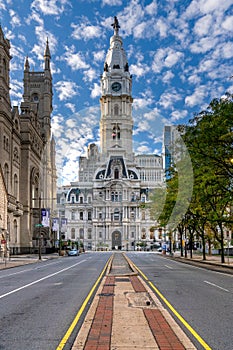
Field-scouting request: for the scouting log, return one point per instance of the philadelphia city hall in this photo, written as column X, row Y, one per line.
column 106, row 207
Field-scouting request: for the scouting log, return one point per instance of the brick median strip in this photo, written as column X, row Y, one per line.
column 160, row 328
column 99, row 337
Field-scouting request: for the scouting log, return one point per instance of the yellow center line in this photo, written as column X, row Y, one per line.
column 78, row 315
column 176, row 313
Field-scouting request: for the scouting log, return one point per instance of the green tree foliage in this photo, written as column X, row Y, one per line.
column 208, row 140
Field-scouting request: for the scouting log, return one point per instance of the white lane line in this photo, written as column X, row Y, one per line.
column 35, row 267
column 215, row 285
column 41, row 279
column 169, row 267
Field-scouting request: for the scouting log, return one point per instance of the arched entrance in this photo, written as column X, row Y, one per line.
column 116, row 240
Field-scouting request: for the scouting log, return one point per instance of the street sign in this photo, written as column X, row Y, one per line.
column 38, row 225
column 3, row 241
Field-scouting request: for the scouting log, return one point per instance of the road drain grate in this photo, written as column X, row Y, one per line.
column 118, row 279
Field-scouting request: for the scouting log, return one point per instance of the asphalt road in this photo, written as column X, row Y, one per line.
column 39, row 301
column 203, row 298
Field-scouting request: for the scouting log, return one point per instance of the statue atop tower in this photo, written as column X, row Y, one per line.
column 115, row 25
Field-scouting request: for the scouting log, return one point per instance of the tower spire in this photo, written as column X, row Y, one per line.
column 47, row 56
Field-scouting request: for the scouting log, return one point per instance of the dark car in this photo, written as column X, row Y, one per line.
column 73, row 252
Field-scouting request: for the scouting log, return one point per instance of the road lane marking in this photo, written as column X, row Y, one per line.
column 176, row 313
column 79, row 313
column 215, row 285
column 169, row 267
column 39, row 280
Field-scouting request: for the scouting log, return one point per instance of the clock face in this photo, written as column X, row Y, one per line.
column 116, row 86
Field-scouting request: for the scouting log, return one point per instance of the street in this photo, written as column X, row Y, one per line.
column 204, row 298
column 38, row 302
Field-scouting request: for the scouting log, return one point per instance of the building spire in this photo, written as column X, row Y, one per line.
column 47, row 56
column 115, row 25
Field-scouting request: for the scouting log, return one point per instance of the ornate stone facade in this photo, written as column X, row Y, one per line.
column 27, row 152
column 106, row 207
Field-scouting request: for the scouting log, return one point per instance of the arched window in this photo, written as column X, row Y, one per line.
column 6, row 174
column 116, row 173
column 16, row 186
column 81, row 233
column 15, row 231
column 89, row 235
column 73, row 233
column 116, row 135
column 116, row 109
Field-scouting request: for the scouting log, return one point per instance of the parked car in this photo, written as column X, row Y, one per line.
column 73, row 252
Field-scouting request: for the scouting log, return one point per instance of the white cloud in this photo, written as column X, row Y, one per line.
column 165, row 58
column 197, row 98
column 162, row 27
column 206, row 6
column 178, row 115
column 86, row 31
column 227, row 24
column 167, row 76
column 57, row 125
column 172, row 58
column 15, row 20
column 143, row 149
column 203, row 25
column 151, row 9
column 71, row 106
column 99, row 55
column 74, row 60
column 89, row 75
column 168, row 98
column 111, row 2
column 96, row 91
column 203, row 45
column 50, row 7
column 66, row 90
column 139, row 69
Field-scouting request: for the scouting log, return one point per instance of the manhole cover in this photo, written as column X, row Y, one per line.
column 140, row 299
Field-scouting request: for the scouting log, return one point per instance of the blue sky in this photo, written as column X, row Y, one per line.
column 180, row 54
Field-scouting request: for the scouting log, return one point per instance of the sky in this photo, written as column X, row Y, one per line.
column 180, row 55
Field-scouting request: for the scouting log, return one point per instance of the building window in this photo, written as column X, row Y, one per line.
column 81, row 215
column 81, row 200
column 15, row 231
column 73, row 215
column 89, row 215
column 116, row 133
column 100, row 234
column 16, row 186
column 89, row 233
column 81, row 233
column 116, row 196
column 116, row 215
column 116, row 109
column 116, row 173
column 73, row 233
column 143, row 233
column 143, row 215
column 6, row 175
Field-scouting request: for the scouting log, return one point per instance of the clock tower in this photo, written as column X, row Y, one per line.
column 116, row 124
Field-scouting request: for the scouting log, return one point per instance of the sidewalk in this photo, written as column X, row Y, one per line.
column 18, row 260
column 125, row 315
